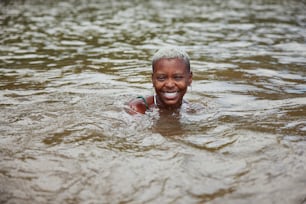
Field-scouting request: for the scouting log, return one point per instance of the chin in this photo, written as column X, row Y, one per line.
column 172, row 104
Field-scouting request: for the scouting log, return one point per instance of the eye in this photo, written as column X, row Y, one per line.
column 178, row 77
column 161, row 78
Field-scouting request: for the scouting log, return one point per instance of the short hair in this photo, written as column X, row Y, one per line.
column 171, row 52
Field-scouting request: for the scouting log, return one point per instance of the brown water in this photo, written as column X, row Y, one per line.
column 68, row 67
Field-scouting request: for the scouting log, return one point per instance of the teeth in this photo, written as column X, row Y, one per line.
column 170, row 95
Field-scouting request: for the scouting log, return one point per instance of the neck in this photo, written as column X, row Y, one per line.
column 159, row 104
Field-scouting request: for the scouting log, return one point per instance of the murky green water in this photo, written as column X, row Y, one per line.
column 67, row 68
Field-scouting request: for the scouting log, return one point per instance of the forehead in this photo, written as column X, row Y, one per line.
column 172, row 64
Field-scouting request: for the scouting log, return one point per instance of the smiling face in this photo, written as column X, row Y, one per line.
column 170, row 79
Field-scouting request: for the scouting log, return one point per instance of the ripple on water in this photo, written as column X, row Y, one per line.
column 67, row 69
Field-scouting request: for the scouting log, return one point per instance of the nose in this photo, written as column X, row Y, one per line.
column 170, row 83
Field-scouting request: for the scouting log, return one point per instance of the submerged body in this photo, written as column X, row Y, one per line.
column 170, row 78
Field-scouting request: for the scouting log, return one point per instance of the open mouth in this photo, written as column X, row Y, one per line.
column 170, row 95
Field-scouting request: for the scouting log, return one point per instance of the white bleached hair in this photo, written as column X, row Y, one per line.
column 171, row 52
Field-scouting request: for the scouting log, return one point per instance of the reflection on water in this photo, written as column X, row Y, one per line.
column 67, row 69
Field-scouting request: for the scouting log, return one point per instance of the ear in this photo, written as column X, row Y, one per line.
column 152, row 78
column 190, row 79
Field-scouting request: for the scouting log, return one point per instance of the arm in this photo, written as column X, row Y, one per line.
column 137, row 106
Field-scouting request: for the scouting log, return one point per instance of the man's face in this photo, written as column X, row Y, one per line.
column 170, row 80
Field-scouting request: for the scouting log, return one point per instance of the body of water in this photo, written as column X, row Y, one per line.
column 67, row 69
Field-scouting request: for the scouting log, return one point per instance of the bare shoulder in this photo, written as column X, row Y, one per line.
column 140, row 104
column 136, row 106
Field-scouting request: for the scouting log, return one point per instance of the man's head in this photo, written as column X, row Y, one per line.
column 171, row 76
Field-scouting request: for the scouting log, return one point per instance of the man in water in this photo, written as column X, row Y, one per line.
column 171, row 77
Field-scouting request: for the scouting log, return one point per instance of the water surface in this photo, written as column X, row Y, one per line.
column 68, row 68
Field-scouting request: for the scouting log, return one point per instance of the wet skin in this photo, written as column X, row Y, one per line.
column 171, row 79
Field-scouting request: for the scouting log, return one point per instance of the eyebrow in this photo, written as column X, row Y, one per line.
column 161, row 72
